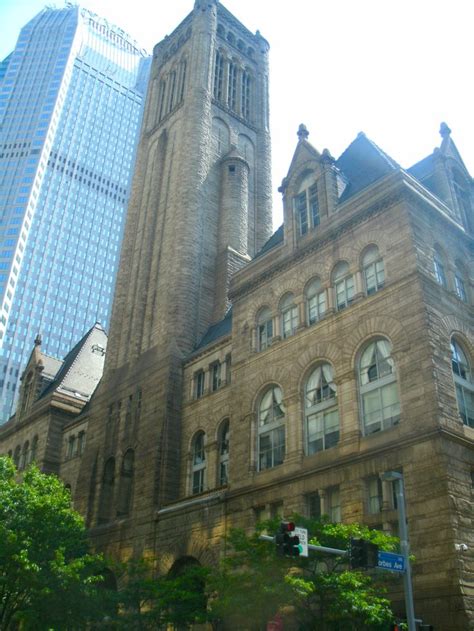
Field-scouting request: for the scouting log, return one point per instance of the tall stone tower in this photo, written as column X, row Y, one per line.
column 200, row 209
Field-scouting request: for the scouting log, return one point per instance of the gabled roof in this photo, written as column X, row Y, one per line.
column 216, row 331
column 82, row 367
column 363, row 163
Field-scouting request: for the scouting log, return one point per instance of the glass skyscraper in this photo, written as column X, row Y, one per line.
column 71, row 101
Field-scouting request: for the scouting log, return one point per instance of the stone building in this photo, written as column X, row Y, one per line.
column 347, row 350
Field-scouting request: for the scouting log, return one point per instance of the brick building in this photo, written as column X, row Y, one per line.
column 347, row 350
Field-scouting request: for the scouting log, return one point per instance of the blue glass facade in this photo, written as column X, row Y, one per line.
column 71, row 101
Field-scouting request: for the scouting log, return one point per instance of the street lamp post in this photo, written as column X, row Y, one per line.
column 397, row 479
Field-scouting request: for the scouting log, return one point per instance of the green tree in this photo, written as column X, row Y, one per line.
column 147, row 602
column 319, row 592
column 48, row 579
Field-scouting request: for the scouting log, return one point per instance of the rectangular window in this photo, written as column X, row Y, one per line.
column 374, row 495
column 313, row 506
column 215, row 376
column 344, row 292
column 317, row 307
column 323, row 430
column 314, row 205
column 199, row 380
column 333, row 502
column 301, row 213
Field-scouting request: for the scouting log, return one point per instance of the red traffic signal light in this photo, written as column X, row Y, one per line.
column 286, row 543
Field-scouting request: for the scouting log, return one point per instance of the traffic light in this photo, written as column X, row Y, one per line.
column 363, row 554
column 287, row 543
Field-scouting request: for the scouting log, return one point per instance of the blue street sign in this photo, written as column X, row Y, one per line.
column 392, row 562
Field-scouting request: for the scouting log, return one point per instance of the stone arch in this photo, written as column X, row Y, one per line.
column 316, row 353
column 300, row 174
column 375, row 326
column 220, row 136
column 453, row 325
column 246, row 148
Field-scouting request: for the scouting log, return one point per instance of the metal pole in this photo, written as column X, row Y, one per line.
column 341, row 553
column 405, row 549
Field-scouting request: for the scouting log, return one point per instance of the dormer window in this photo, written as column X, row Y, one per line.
column 306, row 206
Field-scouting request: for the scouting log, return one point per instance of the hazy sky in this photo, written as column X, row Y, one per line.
column 394, row 70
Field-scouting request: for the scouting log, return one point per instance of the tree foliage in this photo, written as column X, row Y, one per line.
column 144, row 601
column 320, row 592
column 48, row 579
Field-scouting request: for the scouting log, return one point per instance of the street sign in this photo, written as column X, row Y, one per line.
column 302, row 534
column 392, row 562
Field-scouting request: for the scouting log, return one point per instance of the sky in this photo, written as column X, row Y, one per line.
column 394, row 70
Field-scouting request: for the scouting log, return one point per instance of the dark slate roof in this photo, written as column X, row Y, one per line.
column 216, row 331
column 423, row 168
column 273, row 241
column 78, row 372
column 363, row 163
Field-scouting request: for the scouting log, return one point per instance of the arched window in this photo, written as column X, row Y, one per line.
column 172, row 91
column 17, row 456
column 463, row 381
column 245, row 95
column 34, row 449
column 439, row 267
column 107, row 492
column 343, row 285
column 162, row 100
column 223, row 446
column 198, row 463
column 380, row 405
column 264, row 328
column 306, row 205
column 373, row 270
column 288, row 315
column 218, row 76
column 25, row 454
column 316, row 304
column 27, row 393
column 126, row 483
column 321, row 414
column 459, row 282
column 182, row 80
column 232, row 86
column 271, row 429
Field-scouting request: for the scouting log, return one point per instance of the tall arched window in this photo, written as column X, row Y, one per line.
column 460, row 282
column 198, row 463
column 182, row 80
column 162, row 100
column 373, row 270
column 218, row 76
column 439, row 267
column 463, row 380
column 245, row 95
column 34, row 449
column 264, row 328
column 232, row 86
column 306, row 205
column 321, row 414
column 126, row 483
column 17, row 456
column 106, row 500
column 380, row 405
column 288, row 315
column 316, row 304
column 343, row 285
column 271, row 429
column 25, row 454
column 223, row 446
